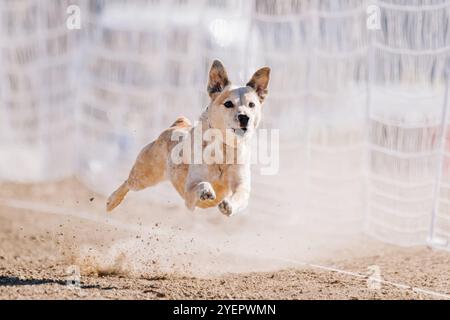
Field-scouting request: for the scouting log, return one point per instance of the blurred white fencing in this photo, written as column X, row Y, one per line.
column 364, row 142
column 407, row 104
column 37, row 91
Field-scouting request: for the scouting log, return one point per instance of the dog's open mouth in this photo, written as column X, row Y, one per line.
column 240, row 131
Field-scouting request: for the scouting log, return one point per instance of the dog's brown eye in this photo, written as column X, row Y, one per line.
column 251, row 105
column 228, row 104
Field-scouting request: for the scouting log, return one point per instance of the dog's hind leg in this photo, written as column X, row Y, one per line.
column 148, row 170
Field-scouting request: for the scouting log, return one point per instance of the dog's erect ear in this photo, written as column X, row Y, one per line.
column 259, row 82
column 218, row 79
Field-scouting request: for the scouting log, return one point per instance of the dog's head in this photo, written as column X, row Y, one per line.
column 236, row 109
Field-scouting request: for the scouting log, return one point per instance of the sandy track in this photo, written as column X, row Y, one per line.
column 37, row 249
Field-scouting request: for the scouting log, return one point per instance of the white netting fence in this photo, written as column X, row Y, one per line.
column 363, row 139
column 38, row 91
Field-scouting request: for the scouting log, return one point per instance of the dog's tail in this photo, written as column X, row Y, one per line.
column 117, row 196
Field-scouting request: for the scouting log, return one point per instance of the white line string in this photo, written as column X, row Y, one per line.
column 362, row 276
column 44, row 208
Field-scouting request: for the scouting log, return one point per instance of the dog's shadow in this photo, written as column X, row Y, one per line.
column 6, row 281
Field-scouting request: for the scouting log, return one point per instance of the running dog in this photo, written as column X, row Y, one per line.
column 233, row 112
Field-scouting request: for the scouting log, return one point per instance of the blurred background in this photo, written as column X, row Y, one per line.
column 361, row 108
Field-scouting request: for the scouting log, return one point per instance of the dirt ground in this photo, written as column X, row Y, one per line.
column 42, row 242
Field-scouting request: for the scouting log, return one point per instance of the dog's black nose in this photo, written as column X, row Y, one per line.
column 243, row 120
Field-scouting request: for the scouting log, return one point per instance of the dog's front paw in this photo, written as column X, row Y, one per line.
column 226, row 208
column 206, row 192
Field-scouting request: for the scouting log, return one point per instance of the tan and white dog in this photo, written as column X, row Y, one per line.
column 234, row 112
